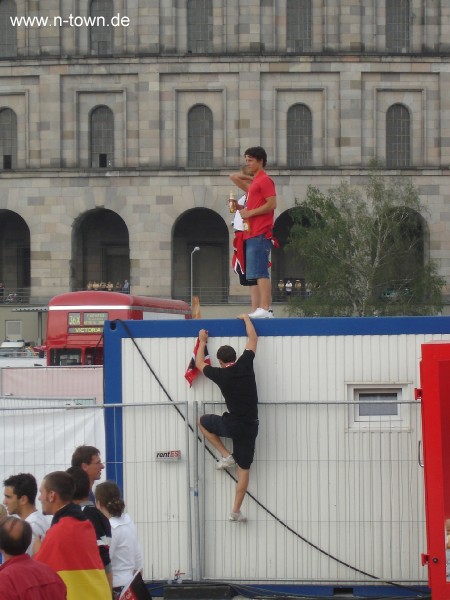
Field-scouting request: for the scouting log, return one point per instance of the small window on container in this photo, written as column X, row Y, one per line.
column 380, row 407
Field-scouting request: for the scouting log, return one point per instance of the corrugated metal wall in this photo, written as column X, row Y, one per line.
column 331, row 501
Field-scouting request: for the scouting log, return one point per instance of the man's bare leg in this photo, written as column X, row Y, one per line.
column 241, row 488
column 254, row 295
column 265, row 293
column 214, row 440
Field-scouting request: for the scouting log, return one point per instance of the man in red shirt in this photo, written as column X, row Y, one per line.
column 258, row 216
column 20, row 576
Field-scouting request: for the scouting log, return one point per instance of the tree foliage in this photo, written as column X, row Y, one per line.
column 365, row 251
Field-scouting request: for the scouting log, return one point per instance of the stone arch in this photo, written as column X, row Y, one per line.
column 15, row 269
column 411, row 250
column 206, row 229
column 285, row 263
column 100, row 249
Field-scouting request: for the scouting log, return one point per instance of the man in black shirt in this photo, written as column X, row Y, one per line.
column 236, row 380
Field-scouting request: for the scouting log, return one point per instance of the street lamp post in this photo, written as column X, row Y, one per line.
column 196, row 249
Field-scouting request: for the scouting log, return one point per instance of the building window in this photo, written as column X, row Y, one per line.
column 398, row 137
column 199, row 25
column 102, row 137
column 200, row 137
column 13, row 330
column 299, row 136
column 8, row 139
column 8, row 33
column 397, row 25
column 298, row 24
column 379, row 406
column 101, row 32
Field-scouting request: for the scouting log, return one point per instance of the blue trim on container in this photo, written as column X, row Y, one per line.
column 284, row 327
column 112, row 372
column 330, row 591
column 306, row 592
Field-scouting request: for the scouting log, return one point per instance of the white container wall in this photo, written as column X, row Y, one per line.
column 336, row 490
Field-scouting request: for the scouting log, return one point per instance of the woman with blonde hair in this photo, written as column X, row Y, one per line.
column 125, row 551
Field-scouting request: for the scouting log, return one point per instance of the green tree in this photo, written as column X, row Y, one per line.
column 364, row 250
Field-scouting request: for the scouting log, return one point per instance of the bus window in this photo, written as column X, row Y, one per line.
column 93, row 356
column 65, row 356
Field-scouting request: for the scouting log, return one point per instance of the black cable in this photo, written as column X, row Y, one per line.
column 258, row 502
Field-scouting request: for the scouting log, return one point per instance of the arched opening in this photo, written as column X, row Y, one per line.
column 398, row 137
column 286, row 264
column 299, row 136
column 8, row 139
column 408, row 255
column 200, row 136
column 15, row 271
column 206, row 229
column 101, row 141
column 100, row 249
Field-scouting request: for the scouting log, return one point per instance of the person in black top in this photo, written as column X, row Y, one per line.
column 101, row 524
column 236, row 380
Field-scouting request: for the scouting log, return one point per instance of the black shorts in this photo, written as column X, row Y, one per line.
column 243, row 434
column 243, row 279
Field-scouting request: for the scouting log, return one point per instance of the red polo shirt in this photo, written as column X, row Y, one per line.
column 261, row 188
column 23, row 577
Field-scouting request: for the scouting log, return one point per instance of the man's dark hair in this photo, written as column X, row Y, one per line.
column 226, row 354
column 15, row 536
column 81, row 481
column 61, row 483
column 84, row 454
column 257, row 152
column 23, row 484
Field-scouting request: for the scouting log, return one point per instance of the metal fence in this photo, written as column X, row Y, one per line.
column 328, row 501
column 14, row 295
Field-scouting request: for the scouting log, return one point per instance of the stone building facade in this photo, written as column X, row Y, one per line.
column 117, row 136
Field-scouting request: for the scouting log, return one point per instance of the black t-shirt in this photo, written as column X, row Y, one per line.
column 102, row 528
column 238, row 386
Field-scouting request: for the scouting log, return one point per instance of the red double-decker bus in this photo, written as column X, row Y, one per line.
column 75, row 322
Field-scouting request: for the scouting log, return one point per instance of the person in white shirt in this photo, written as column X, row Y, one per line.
column 125, row 551
column 19, row 498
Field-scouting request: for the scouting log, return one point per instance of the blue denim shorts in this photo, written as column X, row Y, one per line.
column 257, row 251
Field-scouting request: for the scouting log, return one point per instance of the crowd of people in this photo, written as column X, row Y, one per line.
column 109, row 286
column 81, row 546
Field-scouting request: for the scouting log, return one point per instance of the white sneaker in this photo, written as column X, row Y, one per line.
column 237, row 517
column 261, row 313
column 226, row 463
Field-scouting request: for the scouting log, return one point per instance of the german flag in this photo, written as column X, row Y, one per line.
column 192, row 371
column 70, row 548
